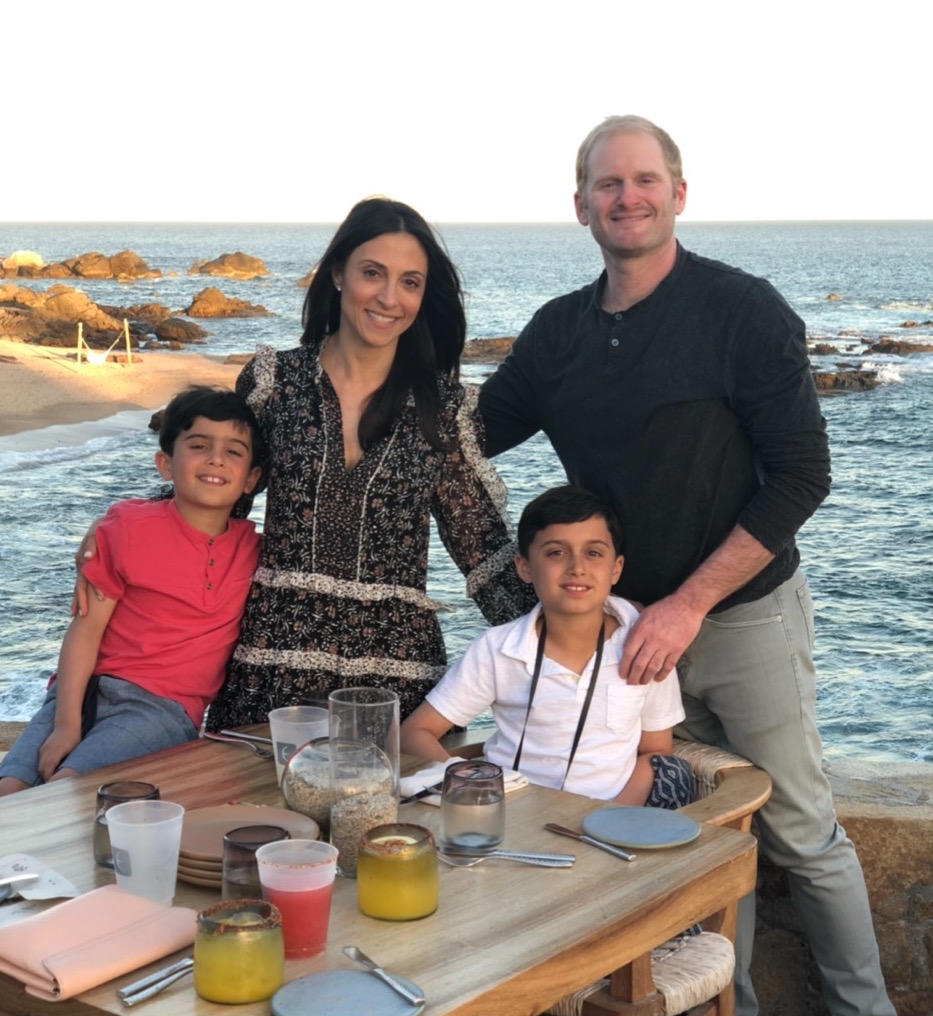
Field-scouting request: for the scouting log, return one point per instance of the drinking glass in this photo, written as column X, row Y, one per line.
column 145, row 836
column 472, row 805
column 292, row 726
column 297, row 876
column 240, row 872
column 239, row 952
column 396, row 874
column 108, row 795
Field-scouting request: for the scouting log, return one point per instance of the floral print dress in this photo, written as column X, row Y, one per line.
column 338, row 599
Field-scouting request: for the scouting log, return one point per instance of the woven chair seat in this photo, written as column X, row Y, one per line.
column 686, row 971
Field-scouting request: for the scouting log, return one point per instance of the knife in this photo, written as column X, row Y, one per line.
column 564, row 831
column 364, row 961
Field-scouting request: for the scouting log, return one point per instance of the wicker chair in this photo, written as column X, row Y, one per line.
column 689, row 974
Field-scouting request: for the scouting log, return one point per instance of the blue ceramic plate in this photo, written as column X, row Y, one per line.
column 640, row 828
column 342, row 993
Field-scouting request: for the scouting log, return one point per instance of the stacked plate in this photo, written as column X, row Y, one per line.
column 200, row 858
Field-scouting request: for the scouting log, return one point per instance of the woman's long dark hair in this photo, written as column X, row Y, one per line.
column 432, row 344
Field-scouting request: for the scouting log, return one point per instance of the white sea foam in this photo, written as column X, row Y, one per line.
column 64, row 443
column 908, row 305
column 888, row 373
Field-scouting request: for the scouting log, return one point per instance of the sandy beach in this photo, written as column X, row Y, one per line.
column 43, row 386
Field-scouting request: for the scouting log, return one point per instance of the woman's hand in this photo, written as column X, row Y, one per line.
column 83, row 589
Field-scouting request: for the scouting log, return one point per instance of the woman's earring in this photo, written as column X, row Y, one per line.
column 337, row 287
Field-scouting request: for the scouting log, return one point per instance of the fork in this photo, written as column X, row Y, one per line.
column 258, row 750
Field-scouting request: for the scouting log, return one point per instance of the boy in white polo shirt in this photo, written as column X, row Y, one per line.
column 556, row 722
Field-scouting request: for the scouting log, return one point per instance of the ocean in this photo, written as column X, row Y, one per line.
column 868, row 551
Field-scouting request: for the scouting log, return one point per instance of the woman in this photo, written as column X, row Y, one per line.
column 369, row 434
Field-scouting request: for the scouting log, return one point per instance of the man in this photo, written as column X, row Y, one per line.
column 679, row 389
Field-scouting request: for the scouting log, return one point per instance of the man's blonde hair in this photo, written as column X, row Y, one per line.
column 628, row 124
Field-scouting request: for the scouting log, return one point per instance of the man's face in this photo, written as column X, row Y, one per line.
column 630, row 201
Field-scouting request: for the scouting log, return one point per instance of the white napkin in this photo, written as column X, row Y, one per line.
column 433, row 774
column 48, row 886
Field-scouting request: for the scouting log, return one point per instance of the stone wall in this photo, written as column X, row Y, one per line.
column 887, row 811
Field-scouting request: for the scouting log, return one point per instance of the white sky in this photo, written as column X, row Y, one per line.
column 198, row 110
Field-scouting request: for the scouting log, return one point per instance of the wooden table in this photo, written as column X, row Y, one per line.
column 507, row 939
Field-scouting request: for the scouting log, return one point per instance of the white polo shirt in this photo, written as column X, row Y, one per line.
column 495, row 673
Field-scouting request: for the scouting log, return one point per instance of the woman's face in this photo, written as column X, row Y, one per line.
column 381, row 288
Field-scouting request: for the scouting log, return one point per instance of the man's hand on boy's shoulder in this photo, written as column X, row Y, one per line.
column 657, row 640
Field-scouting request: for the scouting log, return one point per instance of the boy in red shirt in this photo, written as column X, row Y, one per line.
column 174, row 575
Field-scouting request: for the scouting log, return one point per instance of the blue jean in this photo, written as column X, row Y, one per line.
column 130, row 722
column 749, row 685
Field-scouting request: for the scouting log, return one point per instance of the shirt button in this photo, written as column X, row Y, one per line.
column 211, row 563
column 618, row 317
column 210, row 543
column 614, row 342
column 210, row 586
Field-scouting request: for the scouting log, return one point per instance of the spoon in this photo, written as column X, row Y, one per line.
column 523, row 857
column 358, row 956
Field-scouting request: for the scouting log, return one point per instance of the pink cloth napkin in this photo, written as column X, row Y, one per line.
column 77, row 945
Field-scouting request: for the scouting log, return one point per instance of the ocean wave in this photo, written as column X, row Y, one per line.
column 12, row 461
column 888, row 373
column 61, row 443
column 908, row 305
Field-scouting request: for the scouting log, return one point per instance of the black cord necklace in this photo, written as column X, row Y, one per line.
column 539, row 659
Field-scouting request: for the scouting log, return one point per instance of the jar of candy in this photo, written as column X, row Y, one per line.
column 396, row 874
column 239, row 952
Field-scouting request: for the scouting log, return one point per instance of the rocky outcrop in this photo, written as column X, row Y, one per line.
column 22, row 259
column 486, row 350
column 141, row 314
column 845, row 379
column 123, row 266
column 231, row 266
column 212, row 303
column 175, row 329
column 901, row 347
column 52, row 316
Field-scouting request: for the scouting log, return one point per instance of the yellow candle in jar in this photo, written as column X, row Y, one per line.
column 239, row 952
column 396, row 875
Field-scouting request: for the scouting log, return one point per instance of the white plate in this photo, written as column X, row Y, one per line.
column 640, row 828
column 343, row 993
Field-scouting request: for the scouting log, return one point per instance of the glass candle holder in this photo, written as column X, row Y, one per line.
column 239, row 952
column 396, row 875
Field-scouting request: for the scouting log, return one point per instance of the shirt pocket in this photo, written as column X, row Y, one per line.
column 624, row 704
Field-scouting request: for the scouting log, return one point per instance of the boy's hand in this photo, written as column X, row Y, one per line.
column 57, row 747
column 83, row 589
